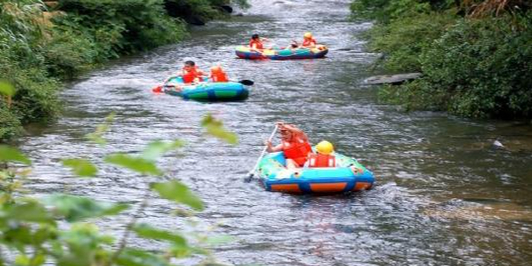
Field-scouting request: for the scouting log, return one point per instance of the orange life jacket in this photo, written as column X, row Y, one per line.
column 256, row 43
column 219, row 77
column 297, row 151
column 321, row 160
column 190, row 76
column 308, row 42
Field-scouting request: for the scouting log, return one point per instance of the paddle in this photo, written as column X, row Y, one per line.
column 252, row 172
column 159, row 88
column 247, row 82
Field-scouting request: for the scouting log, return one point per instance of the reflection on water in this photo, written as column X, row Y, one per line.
column 445, row 195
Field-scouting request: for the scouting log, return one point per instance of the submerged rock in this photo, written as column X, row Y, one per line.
column 392, row 79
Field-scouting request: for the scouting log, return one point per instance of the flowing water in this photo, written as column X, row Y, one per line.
column 445, row 195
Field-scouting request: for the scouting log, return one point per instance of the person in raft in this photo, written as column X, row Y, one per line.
column 294, row 144
column 308, row 41
column 323, row 156
column 218, row 74
column 255, row 44
column 190, row 73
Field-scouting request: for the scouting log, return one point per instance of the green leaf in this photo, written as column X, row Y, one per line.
column 29, row 211
column 81, row 167
column 178, row 192
column 8, row 154
column 138, row 257
column 218, row 240
column 138, row 165
column 6, row 88
column 157, row 149
column 97, row 135
column 146, row 231
column 215, row 128
column 75, row 208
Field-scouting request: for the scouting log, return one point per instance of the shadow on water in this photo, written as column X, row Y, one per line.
column 444, row 195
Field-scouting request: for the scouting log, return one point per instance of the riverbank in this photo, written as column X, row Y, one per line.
column 43, row 44
column 475, row 58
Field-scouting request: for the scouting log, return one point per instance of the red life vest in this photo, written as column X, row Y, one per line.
column 190, row 76
column 297, row 151
column 257, row 43
column 308, row 42
column 219, row 77
column 321, row 160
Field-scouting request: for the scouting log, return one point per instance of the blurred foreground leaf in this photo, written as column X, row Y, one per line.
column 138, row 165
column 216, row 128
column 6, row 88
column 8, row 154
column 81, row 167
column 101, row 129
column 157, row 149
column 147, row 231
column 138, row 257
column 27, row 211
column 178, row 192
column 75, row 208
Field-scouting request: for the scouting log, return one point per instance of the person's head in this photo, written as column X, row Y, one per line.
column 255, row 37
column 189, row 65
column 324, row 147
column 216, row 69
column 307, row 35
column 286, row 134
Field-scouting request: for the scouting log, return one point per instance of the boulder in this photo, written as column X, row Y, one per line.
column 392, row 79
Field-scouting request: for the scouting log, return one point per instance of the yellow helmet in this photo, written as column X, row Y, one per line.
column 324, row 147
column 307, row 35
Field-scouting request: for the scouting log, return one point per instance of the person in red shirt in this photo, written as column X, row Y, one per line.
column 294, row 144
column 218, row 74
column 255, row 44
column 323, row 156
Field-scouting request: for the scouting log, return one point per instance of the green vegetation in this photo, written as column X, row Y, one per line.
column 42, row 45
column 61, row 229
column 475, row 55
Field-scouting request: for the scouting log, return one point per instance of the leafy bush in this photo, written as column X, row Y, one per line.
column 60, row 228
column 140, row 24
column 403, row 40
column 485, row 67
column 10, row 123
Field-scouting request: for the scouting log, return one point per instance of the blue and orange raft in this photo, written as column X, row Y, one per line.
column 319, row 51
column 349, row 175
column 207, row 91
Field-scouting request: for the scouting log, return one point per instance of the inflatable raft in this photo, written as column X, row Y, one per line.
column 282, row 54
column 350, row 175
column 207, row 91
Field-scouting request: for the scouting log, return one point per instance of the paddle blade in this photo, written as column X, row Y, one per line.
column 157, row 89
column 247, row 82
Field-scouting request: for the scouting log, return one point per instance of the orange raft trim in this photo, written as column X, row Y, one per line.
column 328, row 187
column 362, row 185
column 290, row 188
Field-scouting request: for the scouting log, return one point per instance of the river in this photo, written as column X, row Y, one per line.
column 445, row 195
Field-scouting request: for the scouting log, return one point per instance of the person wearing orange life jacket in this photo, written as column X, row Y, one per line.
column 308, row 41
column 294, row 144
column 191, row 73
column 218, row 74
column 322, row 157
column 255, row 44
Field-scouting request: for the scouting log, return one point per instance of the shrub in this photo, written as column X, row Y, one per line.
column 403, row 40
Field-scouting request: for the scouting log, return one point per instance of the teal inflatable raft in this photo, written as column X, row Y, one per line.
column 282, row 54
column 207, row 91
column 349, row 175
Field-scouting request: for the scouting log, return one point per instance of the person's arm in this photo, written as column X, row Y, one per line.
column 271, row 148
